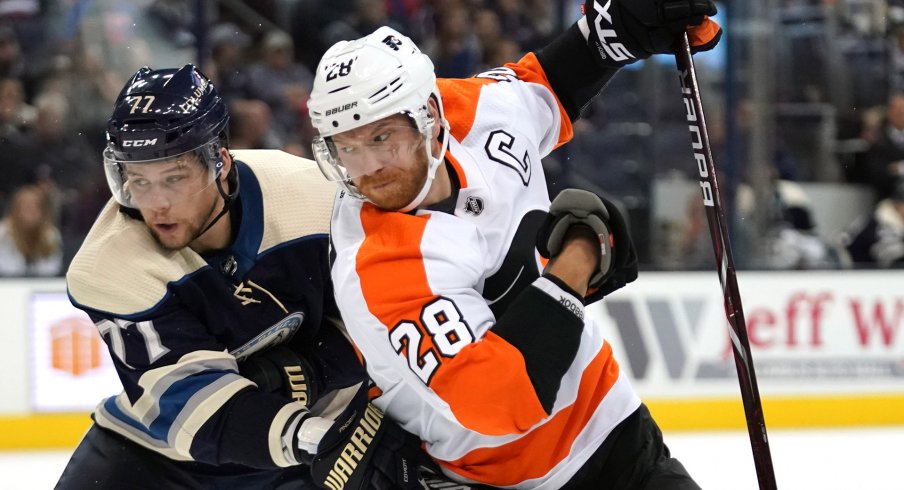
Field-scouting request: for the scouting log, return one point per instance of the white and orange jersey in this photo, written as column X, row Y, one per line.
column 421, row 293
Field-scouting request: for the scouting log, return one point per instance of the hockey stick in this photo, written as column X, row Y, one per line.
column 712, row 201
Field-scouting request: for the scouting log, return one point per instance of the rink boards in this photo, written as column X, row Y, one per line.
column 828, row 349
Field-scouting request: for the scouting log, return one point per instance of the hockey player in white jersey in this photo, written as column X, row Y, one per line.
column 479, row 345
column 215, row 301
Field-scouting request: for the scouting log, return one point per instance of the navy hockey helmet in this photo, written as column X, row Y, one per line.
column 166, row 115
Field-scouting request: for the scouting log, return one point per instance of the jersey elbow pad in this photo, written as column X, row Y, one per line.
column 544, row 323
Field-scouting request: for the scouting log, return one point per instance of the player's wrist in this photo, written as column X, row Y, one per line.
column 568, row 297
column 575, row 276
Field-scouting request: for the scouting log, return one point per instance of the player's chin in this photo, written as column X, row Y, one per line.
column 390, row 190
column 172, row 241
column 390, row 201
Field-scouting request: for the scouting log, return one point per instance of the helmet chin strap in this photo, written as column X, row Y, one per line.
column 435, row 162
column 228, row 198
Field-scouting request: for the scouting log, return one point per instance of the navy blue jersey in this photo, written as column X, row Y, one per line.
column 177, row 322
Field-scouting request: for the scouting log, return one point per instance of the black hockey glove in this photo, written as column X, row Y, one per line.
column 279, row 370
column 624, row 31
column 364, row 450
column 618, row 259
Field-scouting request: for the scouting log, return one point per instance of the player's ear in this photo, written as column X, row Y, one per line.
column 226, row 160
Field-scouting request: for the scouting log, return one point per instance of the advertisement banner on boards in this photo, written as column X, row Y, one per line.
column 70, row 367
column 810, row 333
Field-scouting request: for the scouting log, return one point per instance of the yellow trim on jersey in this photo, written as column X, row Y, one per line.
column 64, row 431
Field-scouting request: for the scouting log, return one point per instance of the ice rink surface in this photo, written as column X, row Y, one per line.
column 842, row 459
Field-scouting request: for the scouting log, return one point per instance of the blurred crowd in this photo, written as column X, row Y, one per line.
column 62, row 63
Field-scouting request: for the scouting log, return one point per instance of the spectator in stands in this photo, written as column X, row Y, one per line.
column 30, row 243
column 496, row 48
column 309, row 22
column 282, row 83
column 16, row 116
column 501, row 52
column 249, row 125
column 61, row 161
column 83, row 76
column 487, row 28
column 175, row 18
column 529, row 22
column 57, row 155
column 455, row 50
column 884, row 160
column 16, row 119
column 361, row 18
column 228, row 70
column 370, row 15
column 12, row 64
column 878, row 240
column 791, row 239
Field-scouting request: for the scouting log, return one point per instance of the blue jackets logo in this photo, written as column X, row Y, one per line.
column 279, row 333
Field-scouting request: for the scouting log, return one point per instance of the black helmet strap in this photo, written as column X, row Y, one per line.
column 228, row 197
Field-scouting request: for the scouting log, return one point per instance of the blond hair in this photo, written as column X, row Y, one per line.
column 33, row 242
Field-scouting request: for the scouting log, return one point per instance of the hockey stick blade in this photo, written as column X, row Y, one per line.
column 715, row 216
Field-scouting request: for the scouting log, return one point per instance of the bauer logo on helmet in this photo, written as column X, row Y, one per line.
column 337, row 110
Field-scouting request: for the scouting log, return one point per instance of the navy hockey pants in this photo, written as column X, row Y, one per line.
column 105, row 460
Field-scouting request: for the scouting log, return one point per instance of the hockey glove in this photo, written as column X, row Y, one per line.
column 624, row 31
column 364, row 450
column 279, row 370
column 618, row 259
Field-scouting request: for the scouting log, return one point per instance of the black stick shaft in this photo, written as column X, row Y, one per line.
column 715, row 215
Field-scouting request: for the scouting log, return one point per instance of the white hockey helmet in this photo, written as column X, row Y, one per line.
column 362, row 81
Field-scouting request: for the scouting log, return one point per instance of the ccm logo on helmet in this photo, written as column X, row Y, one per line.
column 137, row 143
column 337, row 110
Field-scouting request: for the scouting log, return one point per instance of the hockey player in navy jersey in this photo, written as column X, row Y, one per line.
column 480, row 347
column 207, row 276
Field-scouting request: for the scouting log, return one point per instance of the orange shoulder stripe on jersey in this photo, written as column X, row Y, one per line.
column 529, row 69
column 460, row 97
column 487, row 388
column 536, row 453
column 460, row 102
